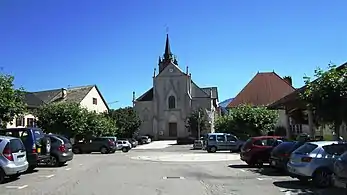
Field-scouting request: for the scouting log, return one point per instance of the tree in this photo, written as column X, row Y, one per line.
column 326, row 96
column 71, row 120
column 197, row 117
column 127, row 121
column 246, row 120
column 11, row 100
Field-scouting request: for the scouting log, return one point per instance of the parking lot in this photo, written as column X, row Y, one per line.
column 125, row 173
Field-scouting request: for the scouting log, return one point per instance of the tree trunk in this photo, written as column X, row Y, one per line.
column 337, row 126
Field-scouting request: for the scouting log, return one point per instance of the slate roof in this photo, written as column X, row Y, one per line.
column 75, row 94
column 263, row 89
column 148, row 95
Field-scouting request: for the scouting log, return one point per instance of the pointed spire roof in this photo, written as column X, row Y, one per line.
column 168, row 53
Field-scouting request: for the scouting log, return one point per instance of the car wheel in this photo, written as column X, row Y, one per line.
column 213, row 149
column 125, row 149
column 53, row 161
column 2, row 176
column 15, row 176
column 76, row 151
column 322, row 178
column 103, row 150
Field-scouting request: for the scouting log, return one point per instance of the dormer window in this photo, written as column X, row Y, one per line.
column 172, row 102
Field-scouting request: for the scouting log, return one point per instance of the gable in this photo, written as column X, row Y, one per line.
column 87, row 98
column 171, row 70
column 147, row 96
column 263, row 89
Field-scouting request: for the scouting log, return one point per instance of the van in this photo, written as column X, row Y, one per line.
column 36, row 143
column 222, row 142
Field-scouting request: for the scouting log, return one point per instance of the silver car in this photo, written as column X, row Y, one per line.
column 314, row 160
column 13, row 160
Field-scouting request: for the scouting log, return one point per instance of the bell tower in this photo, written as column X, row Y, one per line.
column 168, row 57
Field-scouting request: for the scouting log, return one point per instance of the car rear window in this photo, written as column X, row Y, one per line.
column 264, row 142
column 16, row 145
column 284, row 147
column 335, row 149
column 38, row 134
column 66, row 140
column 306, row 148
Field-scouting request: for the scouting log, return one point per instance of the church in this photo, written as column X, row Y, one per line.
column 165, row 107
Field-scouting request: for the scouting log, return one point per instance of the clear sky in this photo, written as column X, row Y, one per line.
column 116, row 43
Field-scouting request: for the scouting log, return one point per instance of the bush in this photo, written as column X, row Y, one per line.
column 247, row 121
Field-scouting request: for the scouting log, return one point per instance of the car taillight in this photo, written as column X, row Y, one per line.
column 306, row 159
column 34, row 148
column 8, row 153
column 62, row 148
column 285, row 155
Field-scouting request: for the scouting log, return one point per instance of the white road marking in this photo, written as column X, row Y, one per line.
column 67, row 169
column 261, row 179
column 49, row 176
column 16, row 187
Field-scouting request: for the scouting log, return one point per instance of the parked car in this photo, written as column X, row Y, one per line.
column 280, row 154
column 61, row 150
column 132, row 141
column 36, row 143
column 104, row 145
column 315, row 160
column 198, row 144
column 340, row 169
column 222, row 142
column 185, row 140
column 144, row 140
column 13, row 159
column 123, row 145
column 257, row 150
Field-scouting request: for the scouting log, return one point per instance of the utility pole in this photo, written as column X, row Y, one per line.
column 199, row 116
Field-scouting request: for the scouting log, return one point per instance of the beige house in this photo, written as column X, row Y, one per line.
column 87, row 96
column 165, row 107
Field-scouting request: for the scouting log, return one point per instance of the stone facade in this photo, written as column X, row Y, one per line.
column 165, row 107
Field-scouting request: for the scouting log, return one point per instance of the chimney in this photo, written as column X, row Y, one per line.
column 288, row 79
column 63, row 93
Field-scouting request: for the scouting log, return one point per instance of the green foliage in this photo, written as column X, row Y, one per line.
column 247, row 120
column 127, row 121
column 326, row 95
column 71, row 120
column 194, row 121
column 11, row 100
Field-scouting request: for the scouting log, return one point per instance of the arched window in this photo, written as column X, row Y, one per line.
column 172, row 102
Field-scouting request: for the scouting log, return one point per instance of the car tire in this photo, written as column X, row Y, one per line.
column 103, row 150
column 53, row 161
column 322, row 178
column 213, row 149
column 2, row 176
column 76, row 150
column 125, row 149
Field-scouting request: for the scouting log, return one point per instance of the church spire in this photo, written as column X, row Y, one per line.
column 167, row 55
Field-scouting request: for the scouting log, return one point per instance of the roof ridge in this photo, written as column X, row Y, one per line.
column 283, row 80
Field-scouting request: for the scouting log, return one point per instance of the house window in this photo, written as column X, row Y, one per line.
column 95, row 101
column 172, row 102
column 30, row 122
column 20, row 121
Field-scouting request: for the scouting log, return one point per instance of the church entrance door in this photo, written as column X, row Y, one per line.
column 173, row 129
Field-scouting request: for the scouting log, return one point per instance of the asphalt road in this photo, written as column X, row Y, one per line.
column 122, row 173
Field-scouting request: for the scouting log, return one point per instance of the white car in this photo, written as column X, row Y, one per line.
column 123, row 145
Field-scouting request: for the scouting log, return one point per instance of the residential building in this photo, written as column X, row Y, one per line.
column 264, row 89
column 164, row 108
column 87, row 96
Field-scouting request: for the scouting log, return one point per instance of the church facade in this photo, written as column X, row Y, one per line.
column 164, row 108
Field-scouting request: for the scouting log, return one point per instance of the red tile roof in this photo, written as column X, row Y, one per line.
column 264, row 89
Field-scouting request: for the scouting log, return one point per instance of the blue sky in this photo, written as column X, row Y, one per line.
column 116, row 43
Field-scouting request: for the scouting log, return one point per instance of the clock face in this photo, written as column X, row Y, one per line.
column 171, row 70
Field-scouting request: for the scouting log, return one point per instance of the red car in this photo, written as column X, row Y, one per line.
column 257, row 150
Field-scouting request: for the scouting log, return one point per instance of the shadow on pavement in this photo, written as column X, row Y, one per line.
column 9, row 180
column 268, row 171
column 30, row 171
column 244, row 166
column 299, row 188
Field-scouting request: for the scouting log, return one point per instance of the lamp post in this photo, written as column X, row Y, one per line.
column 199, row 116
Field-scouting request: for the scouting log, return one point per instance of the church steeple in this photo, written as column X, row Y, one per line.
column 168, row 56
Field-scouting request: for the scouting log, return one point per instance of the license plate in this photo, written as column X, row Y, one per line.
column 38, row 150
